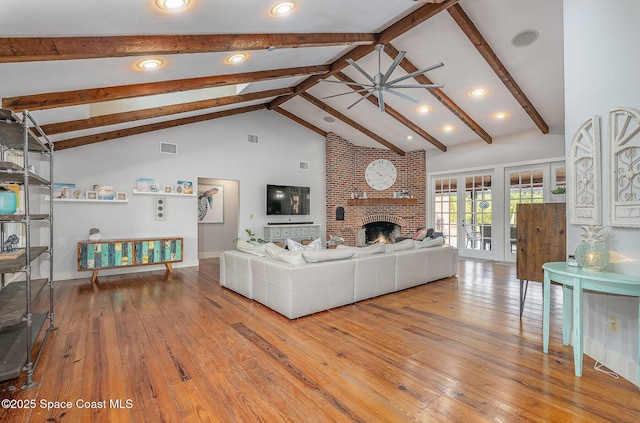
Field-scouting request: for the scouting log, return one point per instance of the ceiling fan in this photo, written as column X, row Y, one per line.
column 380, row 83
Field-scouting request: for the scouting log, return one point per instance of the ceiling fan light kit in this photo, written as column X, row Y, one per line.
column 380, row 83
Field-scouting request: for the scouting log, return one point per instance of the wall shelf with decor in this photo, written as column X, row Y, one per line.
column 86, row 200
column 162, row 193
column 382, row 201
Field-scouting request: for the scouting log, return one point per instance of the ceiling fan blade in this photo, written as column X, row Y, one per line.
column 401, row 95
column 357, row 84
column 355, row 65
column 393, row 67
column 348, row 92
column 380, row 100
column 362, row 98
column 417, row 86
column 416, row 73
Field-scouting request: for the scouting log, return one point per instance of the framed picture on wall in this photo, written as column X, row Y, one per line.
column 92, row 195
column 210, row 203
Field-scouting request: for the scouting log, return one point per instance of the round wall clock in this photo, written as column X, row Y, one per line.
column 380, row 174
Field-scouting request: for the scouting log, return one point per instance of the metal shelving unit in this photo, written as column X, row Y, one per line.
column 20, row 325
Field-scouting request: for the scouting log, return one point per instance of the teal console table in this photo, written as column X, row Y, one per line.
column 579, row 280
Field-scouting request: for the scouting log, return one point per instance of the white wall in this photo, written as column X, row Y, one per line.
column 601, row 72
column 214, row 149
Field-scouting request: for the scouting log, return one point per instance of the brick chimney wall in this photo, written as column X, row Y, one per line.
column 345, row 166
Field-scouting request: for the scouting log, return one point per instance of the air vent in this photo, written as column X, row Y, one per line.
column 304, row 165
column 252, row 138
column 168, row 148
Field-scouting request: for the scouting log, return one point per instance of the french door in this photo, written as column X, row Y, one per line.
column 463, row 212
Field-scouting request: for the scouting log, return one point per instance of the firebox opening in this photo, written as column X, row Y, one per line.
column 385, row 232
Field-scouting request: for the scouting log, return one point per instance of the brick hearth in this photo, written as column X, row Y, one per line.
column 345, row 166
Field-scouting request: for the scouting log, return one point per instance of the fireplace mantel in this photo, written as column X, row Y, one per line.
column 382, row 201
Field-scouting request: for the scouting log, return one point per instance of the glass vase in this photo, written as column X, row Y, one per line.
column 592, row 256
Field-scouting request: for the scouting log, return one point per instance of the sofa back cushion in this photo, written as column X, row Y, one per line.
column 363, row 251
column 246, row 247
column 406, row 244
column 280, row 254
column 317, row 256
column 435, row 242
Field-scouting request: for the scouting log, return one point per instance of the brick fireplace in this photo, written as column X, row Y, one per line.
column 345, row 166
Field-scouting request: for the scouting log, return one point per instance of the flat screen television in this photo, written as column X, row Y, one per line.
column 288, row 200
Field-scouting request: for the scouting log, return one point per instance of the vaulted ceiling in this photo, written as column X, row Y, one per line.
column 72, row 63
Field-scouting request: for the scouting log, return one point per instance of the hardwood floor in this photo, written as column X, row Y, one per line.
column 179, row 347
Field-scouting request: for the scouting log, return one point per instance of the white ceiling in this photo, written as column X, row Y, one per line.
column 537, row 68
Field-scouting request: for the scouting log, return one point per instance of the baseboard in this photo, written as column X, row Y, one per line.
column 63, row 276
column 623, row 366
column 211, row 254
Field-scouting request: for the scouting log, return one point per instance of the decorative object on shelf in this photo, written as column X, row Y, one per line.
column 144, row 184
column 11, row 244
column 380, row 174
column 8, row 200
column 77, row 193
column 105, row 192
column 186, row 187
column 62, row 190
column 121, row 196
column 94, row 234
column 624, row 159
column 168, row 189
column 210, row 203
column 91, row 195
column 585, row 174
column 592, row 253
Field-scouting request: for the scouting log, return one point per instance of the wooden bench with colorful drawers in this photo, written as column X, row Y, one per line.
column 119, row 253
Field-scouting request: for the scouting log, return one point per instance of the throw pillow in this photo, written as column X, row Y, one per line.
column 246, row 247
column 316, row 244
column 317, row 256
column 363, row 251
column 420, row 234
column 280, row 254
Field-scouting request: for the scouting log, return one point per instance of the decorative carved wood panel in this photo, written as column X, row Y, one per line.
column 624, row 154
column 584, row 189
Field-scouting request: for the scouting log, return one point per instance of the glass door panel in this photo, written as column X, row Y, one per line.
column 478, row 212
column 525, row 186
column 446, row 209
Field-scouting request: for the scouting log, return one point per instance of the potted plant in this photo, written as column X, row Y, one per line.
column 253, row 238
column 559, row 195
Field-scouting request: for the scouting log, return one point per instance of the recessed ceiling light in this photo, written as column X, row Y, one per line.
column 423, row 108
column 525, row 38
column 448, row 128
column 282, row 9
column 149, row 64
column 500, row 115
column 409, row 137
column 237, row 58
column 478, row 92
column 172, row 5
column 328, row 119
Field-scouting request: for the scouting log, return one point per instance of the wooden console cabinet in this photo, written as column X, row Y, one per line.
column 118, row 253
column 295, row 232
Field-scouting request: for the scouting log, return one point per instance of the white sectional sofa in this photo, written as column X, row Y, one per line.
column 296, row 290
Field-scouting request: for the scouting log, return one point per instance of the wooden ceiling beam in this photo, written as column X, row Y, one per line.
column 393, row 31
column 333, row 112
column 31, row 49
column 409, row 67
column 106, row 136
column 478, row 41
column 393, row 113
column 300, row 121
column 95, row 95
column 154, row 112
